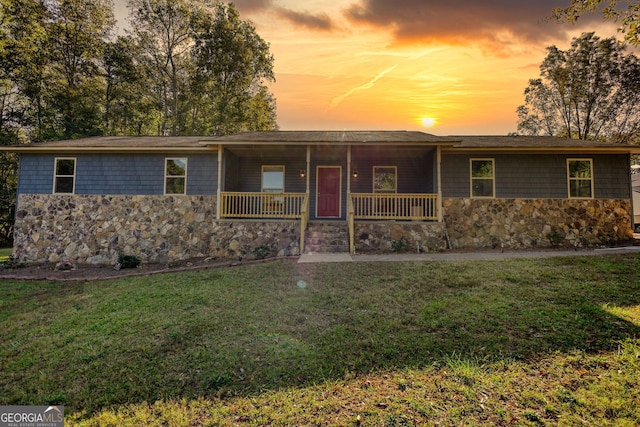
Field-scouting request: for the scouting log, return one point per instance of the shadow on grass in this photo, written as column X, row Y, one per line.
column 244, row 330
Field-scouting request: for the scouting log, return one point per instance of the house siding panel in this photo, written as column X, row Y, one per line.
column 536, row 175
column 249, row 176
column 137, row 174
column 202, row 174
column 415, row 170
column 35, row 174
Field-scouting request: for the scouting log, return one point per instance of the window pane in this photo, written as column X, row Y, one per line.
column 580, row 188
column 64, row 184
column 482, row 169
column 176, row 167
column 273, row 179
column 579, row 169
column 65, row 166
column 175, row 185
column 482, row 188
column 384, row 180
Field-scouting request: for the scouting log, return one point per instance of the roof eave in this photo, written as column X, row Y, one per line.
column 541, row 150
column 85, row 150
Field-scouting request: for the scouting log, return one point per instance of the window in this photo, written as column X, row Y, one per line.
column 580, row 178
column 64, row 176
column 385, row 179
column 273, row 179
column 175, row 176
column 482, row 178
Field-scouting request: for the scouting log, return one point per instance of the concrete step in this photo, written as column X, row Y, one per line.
column 327, row 238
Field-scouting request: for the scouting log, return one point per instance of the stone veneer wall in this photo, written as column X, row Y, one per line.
column 511, row 223
column 96, row 229
column 380, row 237
column 520, row 223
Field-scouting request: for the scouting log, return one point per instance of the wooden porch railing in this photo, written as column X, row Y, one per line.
column 395, row 206
column 263, row 205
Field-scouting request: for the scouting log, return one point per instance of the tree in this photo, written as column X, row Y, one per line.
column 232, row 65
column 24, row 66
column 163, row 31
column 129, row 108
column 591, row 91
column 629, row 17
column 49, row 54
column 79, row 30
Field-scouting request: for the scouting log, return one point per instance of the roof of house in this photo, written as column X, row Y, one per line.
column 176, row 144
column 115, row 143
column 525, row 141
column 330, row 137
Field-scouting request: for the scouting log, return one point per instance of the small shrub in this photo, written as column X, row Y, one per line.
column 12, row 263
column 261, row 252
column 399, row 245
column 128, row 261
column 555, row 238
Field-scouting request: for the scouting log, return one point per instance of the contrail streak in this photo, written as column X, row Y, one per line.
column 338, row 99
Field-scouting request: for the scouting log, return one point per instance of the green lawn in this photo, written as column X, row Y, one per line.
column 515, row 342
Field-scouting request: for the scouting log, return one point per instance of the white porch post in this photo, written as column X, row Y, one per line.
column 348, row 171
column 308, row 170
column 219, row 192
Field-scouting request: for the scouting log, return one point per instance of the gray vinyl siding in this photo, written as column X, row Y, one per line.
column 35, row 174
column 612, row 176
column 537, row 175
column 135, row 174
column 249, row 174
column 415, row 170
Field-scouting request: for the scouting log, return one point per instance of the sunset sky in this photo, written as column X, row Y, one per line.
column 445, row 67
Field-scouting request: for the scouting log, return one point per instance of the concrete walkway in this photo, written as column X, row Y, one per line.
column 487, row 255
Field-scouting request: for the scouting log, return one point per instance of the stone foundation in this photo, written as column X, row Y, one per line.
column 96, row 229
column 523, row 223
column 385, row 237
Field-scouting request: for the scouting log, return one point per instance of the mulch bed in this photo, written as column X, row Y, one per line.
column 86, row 272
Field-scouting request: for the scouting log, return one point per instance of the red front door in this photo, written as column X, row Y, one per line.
column 328, row 191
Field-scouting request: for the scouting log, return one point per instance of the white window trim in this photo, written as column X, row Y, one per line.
column 55, row 175
column 493, row 177
column 284, row 180
column 569, row 178
column 373, row 178
column 186, row 168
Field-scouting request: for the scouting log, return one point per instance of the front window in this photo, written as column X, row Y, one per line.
column 580, row 172
column 482, row 178
column 273, row 179
column 64, row 176
column 385, row 179
column 175, row 181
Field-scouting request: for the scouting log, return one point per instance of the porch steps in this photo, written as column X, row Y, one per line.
column 326, row 237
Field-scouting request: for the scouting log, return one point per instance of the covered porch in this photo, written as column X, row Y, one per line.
column 337, row 183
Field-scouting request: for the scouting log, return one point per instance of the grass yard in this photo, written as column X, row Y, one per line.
column 514, row 342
